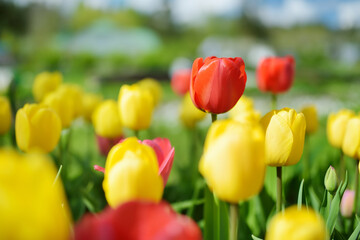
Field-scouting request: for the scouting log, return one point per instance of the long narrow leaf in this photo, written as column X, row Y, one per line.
column 299, row 203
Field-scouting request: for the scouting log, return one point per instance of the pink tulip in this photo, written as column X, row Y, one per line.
column 347, row 203
column 105, row 144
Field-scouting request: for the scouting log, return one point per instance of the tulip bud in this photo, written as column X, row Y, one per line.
column 233, row 162
column 106, row 120
column 5, row 115
column 275, row 74
column 244, row 111
column 303, row 224
column 63, row 106
column 217, row 83
column 351, row 142
column 312, row 123
column 180, row 81
column 37, row 127
column 154, row 87
column 32, row 205
column 189, row 114
column 90, row 102
column 75, row 94
column 133, row 168
column 336, row 126
column 284, row 138
column 135, row 107
column 330, row 180
column 45, row 83
column 347, row 203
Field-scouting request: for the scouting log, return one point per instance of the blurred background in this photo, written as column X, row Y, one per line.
column 103, row 43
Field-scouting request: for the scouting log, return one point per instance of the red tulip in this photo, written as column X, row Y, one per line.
column 217, row 83
column 137, row 220
column 105, row 144
column 275, row 74
column 164, row 154
column 180, row 81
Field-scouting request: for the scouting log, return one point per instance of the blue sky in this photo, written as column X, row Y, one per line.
column 284, row 13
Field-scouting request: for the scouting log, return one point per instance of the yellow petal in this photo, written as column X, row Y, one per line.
column 132, row 179
column 351, row 143
column 298, row 130
column 106, row 120
column 22, row 130
column 278, row 141
column 5, row 115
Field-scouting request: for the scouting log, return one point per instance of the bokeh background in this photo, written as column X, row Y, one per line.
column 102, row 44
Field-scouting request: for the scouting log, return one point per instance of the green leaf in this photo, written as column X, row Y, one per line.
column 255, row 238
column 299, row 203
column 324, row 206
column 210, row 216
column 356, row 233
column 179, row 206
column 314, row 200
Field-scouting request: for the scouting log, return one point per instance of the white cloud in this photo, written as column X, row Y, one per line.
column 349, row 14
column 290, row 13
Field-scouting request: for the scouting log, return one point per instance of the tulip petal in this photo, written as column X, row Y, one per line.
column 351, row 143
column 298, row 129
column 22, row 130
column 279, row 141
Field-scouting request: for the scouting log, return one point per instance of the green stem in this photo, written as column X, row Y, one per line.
column 356, row 186
column 278, row 189
column 213, row 117
column 234, row 215
column 342, row 165
column 273, row 101
column 136, row 133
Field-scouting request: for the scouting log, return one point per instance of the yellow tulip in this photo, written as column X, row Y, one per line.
column 63, row 106
column 5, row 115
column 32, row 206
column 284, row 137
column 132, row 173
column 135, row 106
column 90, row 102
column 351, row 143
column 37, row 128
column 243, row 105
column 311, row 117
column 189, row 114
column 153, row 86
column 294, row 224
column 233, row 162
column 106, row 120
column 45, row 83
column 75, row 94
column 336, row 126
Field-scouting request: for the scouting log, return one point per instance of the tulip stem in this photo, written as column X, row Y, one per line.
column 234, row 215
column 136, row 133
column 273, row 101
column 356, row 186
column 213, row 117
column 278, row 189
column 342, row 165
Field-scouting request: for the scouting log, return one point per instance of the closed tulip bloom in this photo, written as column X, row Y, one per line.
column 275, row 74
column 5, row 115
column 106, row 120
column 351, row 143
column 90, row 102
column 45, row 83
column 138, row 220
column 295, row 224
column 244, row 111
column 336, row 126
column 132, row 173
column 217, row 83
column 347, row 203
column 153, row 86
column 75, row 94
column 63, row 106
column 311, row 118
column 32, row 205
column 189, row 114
column 180, row 81
column 233, row 162
column 37, row 127
column 284, row 137
column 136, row 107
